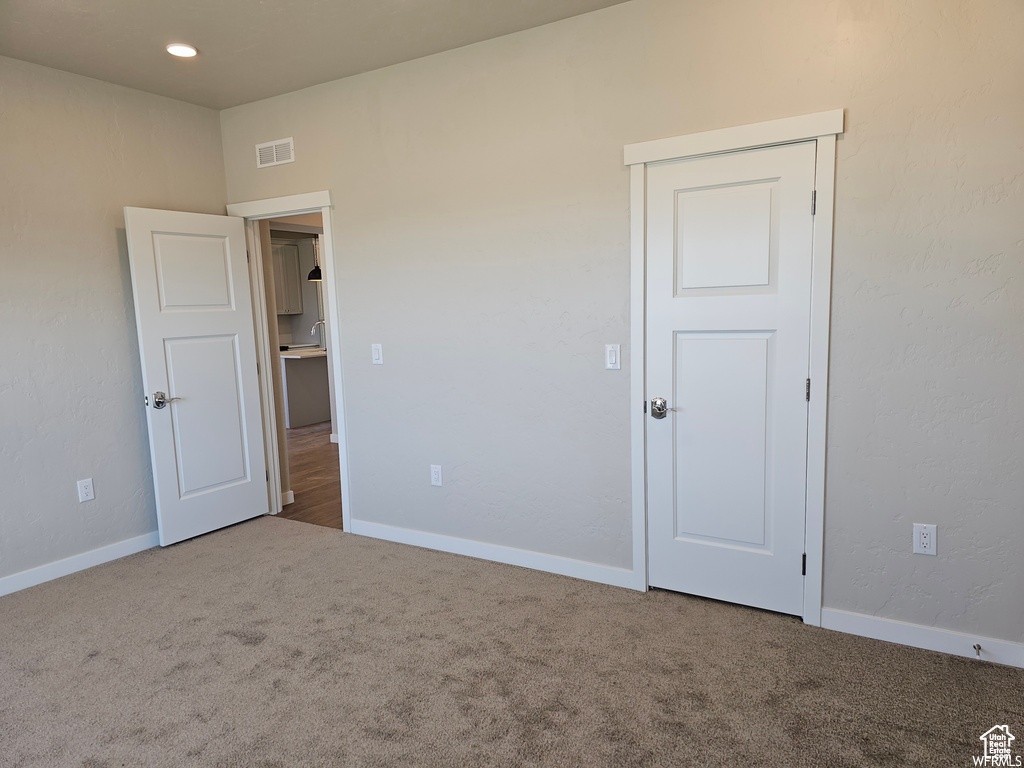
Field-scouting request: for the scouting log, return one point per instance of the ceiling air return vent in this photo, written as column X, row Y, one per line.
column 275, row 152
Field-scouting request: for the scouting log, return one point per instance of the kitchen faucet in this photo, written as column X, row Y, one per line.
column 312, row 331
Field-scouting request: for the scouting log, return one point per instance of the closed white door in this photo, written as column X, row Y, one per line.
column 197, row 341
column 728, row 322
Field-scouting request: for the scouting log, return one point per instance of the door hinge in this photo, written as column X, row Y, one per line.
column 803, row 567
column 268, row 480
column 257, row 367
column 807, row 391
column 814, row 201
column 645, row 406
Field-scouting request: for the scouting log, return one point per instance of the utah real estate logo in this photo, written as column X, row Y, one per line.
column 998, row 747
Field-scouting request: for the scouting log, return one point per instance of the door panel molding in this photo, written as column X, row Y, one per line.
column 822, row 128
column 714, row 382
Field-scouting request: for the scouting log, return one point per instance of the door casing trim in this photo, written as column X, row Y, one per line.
column 822, row 128
column 252, row 211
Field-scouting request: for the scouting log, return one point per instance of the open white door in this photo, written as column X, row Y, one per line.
column 193, row 310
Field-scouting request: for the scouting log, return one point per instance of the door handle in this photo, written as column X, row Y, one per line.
column 160, row 400
column 659, row 408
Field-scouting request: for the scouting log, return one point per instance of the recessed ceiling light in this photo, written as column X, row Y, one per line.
column 181, row 49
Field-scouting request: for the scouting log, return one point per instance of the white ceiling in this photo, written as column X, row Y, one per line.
column 254, row 49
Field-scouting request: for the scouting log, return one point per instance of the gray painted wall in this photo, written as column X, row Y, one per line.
column 481, row 217
column 75, row 151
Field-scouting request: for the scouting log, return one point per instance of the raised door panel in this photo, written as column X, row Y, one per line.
column 724, row 236
column 720, row 436
column 210, row 447
column 193, row 272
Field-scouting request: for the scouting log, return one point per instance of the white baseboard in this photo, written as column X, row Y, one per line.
column 75, row 563
column 580, row 569
column 335, row 438
column 288, row 497
column 920, row 636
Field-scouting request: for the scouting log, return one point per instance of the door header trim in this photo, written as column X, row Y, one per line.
column 787, row 129
column 272, row 207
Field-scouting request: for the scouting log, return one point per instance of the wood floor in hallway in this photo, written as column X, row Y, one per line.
column 315, row 477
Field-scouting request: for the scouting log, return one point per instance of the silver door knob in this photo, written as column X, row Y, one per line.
column 160, row 400
column 659, row 408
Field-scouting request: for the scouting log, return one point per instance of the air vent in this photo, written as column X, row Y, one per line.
column 275, row 152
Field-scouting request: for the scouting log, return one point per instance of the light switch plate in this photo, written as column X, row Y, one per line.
column 612, row 357
column 377, row 354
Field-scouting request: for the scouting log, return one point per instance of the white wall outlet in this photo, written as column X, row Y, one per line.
column 435, row 474
column 924, row 539
column 377, row 354
column 85, row 491
column 612, row 361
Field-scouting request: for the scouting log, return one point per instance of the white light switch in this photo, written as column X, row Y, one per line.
column 377, row 352
column 611, row 357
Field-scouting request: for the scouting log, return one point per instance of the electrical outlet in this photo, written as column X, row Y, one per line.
column 435, row 474
column 924, row 539
column 85, row 491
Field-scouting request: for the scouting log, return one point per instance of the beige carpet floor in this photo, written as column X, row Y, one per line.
column 278, row 643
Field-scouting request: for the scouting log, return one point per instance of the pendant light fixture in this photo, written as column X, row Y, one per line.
column 314, row 273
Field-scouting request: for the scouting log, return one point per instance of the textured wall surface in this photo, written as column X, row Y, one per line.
column 482, row 224
column 75, row 152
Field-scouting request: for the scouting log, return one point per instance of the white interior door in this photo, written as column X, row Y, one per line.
column 728, row 323
column 193, row 309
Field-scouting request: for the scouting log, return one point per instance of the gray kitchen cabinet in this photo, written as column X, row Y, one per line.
column 287, row 279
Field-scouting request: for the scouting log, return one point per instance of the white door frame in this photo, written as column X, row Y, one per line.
column 270, row 208
column 822, row 127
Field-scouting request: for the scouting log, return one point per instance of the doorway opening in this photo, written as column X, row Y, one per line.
column 296, row 317
column 304, row 400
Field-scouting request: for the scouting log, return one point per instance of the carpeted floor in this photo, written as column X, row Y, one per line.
column 278, row 643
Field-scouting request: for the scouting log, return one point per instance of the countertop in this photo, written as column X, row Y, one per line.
column 301, row 354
